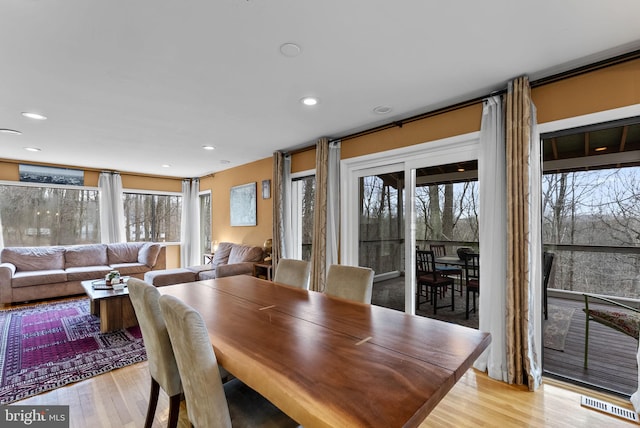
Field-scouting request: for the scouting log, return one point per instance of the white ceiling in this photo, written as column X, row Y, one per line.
column 131, row 85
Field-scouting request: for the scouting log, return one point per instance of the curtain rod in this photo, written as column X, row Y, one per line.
column 630, row 56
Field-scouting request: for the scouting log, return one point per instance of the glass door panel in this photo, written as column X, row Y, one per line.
column 381, row 235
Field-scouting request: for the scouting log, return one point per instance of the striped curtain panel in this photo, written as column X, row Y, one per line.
column 319, row 241
column 522, row 356
column 281, row 207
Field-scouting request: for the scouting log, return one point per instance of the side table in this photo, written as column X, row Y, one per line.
column 263, row 270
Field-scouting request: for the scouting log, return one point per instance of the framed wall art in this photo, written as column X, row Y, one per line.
column 242, row 200
column 266, row 189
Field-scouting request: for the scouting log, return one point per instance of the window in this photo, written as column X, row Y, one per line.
column 49, row 215
column 205, row 223
column 152, row 217
column 302, row 200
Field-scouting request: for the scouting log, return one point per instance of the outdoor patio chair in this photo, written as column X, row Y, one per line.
column 472, row 278
column 440, row 250
column 621, row 317
column 548, row 264
column 430, row 282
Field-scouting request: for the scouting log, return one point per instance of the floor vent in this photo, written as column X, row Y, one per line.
column 612, row 409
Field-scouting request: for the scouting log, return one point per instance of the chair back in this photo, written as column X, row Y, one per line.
column 472, row 270
column 425, row 264
column 548, row 264
column 203, row 390
column 439, row 250
column 293, row 272
column 161, row 360
column 350, row 282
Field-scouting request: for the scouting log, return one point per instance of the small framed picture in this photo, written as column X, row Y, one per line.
column 266, row 189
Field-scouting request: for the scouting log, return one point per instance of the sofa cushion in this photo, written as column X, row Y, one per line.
column 245, row 253
column 130, row 268
column 85, row 255
column 148, row 254
column 123, row 252
column 34, row 258
column 221, row 256
column 28, row 278
column 83, row 273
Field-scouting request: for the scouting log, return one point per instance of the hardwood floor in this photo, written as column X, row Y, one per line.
column 119, row 399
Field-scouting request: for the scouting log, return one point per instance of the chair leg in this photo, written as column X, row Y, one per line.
column 434, row 300
column 153, row 403
column 453, row 293
column 174, row 410
column 586, row 341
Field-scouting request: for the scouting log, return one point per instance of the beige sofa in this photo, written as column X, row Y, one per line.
column 229, row 259
column 32, row 273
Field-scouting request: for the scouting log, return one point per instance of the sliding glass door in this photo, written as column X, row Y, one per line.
column 389, row 205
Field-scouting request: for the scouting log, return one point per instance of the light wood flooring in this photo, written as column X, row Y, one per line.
column 119, row 399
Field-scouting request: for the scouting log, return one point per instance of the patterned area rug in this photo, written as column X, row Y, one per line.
column 557, row 327
column 46, row 346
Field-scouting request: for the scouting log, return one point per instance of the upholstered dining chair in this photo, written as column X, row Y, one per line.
column 210, row 403
column 439, row 250
column 350, row 282
column 431, row 283
column 293, row 272
column 161, row 361
column 472, row 278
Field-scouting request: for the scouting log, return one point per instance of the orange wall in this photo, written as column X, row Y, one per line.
column 303, row 161
column 220, row 184
column 609, row 88
column 461, row 121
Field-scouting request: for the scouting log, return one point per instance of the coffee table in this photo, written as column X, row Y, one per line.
column 113, row 307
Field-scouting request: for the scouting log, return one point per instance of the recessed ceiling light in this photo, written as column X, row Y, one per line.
column 31, row 115
column 460, row 169
column 225, row 161
column 166, row 165
column 10, row 131
column 309, row 101
column 208, row 147
column 290, row 50
column 382, row 109
column 601, row 149
column 32, row 149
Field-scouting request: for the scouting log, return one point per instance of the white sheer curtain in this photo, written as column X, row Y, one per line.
column 535, row 254
column 111, row 208
column 190, row 223
column 493, row 238
column 333, row 204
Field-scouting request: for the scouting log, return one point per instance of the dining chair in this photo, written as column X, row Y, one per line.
column 210, row 403
column 161, row 361
column 472, row 278
column 547, row 260
column 616, row 315
column 430, row 282
column 440, row 250
column 293, row 272
column 350, row 282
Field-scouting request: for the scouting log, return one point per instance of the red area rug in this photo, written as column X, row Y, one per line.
column 46, row 346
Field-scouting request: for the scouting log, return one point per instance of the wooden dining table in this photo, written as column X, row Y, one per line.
column 328, row 362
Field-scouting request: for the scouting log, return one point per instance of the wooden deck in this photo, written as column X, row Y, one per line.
column 612, row 355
